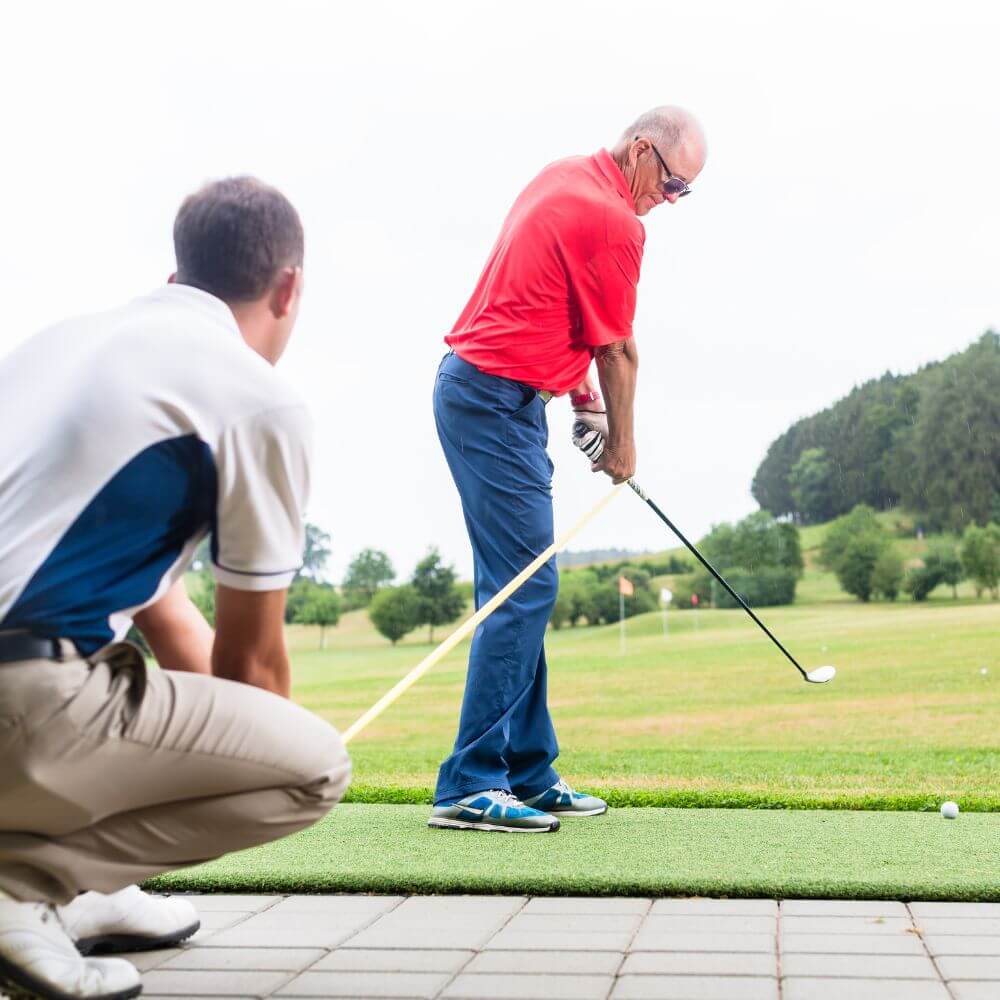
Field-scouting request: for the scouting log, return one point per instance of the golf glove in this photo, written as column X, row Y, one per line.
column 588, row 435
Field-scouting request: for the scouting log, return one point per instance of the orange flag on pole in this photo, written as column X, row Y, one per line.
column 625, row 587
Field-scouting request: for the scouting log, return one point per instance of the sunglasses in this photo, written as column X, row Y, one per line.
column 672, row 185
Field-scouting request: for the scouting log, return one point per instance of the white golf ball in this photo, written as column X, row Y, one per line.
column 949, row 810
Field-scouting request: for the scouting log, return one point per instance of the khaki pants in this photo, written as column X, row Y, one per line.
column 110, row 774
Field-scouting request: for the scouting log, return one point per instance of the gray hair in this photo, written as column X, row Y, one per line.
column 667, row 126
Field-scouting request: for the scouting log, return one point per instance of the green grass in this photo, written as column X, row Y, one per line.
column 856, row 855
column 713, row 715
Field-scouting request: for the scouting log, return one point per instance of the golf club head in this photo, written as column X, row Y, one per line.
column 821, row 675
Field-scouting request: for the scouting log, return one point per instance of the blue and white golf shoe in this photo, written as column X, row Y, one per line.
column 561, row 800
column 494, row 810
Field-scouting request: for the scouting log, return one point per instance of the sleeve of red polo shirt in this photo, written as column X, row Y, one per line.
column 605, row 287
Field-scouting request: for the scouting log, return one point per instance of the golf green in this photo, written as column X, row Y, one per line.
column 716, row 852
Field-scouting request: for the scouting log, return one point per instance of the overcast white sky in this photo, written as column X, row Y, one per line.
column 847, row 221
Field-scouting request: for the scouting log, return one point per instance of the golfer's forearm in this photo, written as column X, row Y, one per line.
column 272, row 673
column 617, row 369
column 177, row 632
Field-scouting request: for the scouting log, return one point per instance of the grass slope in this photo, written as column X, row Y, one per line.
column 856, row 855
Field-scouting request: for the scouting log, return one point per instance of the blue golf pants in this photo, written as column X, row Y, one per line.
column 494, row 434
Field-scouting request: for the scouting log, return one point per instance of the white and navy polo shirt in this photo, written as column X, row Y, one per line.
column 128, row 436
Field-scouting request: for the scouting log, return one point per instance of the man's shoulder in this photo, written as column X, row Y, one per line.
column 573, row 197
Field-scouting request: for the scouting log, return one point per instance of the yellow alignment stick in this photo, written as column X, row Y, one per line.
column 470, row 624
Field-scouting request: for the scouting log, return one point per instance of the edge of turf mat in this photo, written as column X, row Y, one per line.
column 629, row 852
column 642, row 798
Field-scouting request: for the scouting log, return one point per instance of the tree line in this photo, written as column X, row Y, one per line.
column 432, row 597
column 929, row 441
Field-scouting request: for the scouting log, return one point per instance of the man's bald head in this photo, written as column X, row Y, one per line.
column 666, row 133
column 668, row 126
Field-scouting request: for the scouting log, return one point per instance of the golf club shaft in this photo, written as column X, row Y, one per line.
column 471, row 623
column 640, row 493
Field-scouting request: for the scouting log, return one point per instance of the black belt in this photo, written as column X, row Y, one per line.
column 19, row 644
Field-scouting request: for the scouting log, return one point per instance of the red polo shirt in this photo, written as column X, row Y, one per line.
column 560, row 280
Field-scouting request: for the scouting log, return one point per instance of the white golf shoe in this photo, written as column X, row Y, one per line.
column 38, row 959
column 127, row 920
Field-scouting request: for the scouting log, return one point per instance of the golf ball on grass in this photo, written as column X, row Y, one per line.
column 949, row 810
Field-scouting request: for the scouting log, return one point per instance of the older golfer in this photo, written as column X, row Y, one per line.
column 133, row 433
column 558, row 291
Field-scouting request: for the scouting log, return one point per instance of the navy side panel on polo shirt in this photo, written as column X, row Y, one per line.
column 141, row 430
column 142, row 519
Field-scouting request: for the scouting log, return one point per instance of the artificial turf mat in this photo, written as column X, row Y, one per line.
column 711, row 852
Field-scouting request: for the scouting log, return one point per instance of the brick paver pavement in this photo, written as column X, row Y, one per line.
column 485, row 947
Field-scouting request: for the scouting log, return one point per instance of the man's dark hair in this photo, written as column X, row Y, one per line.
column 233, row 237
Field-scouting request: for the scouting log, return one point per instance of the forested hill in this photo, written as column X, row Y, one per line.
column 929, row 441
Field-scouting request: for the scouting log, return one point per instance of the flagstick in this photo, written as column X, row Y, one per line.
column 621, row 621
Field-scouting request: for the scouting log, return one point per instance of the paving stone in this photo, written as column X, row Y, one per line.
column 709, row 924
column 585, row 904
column 974, row 991
column 846, row 925
column 461, row 905
column 297, row 920
column 205, row 903
column 859, row 966
column 392, row 960
column 463, row 938
column 951, row 944
column 319, row 935
column 419, row 985
column 278, row 959
column 536, row 987
column 372, row 905
column 695, row 988
column 955, row 909
column 852, row 944
column 664, row 928
column 959, row 925
column 146, row 960
column 863, row 989
column 554, row 923
column 702, row 906
column 183, row 982
column 217, row 920
column 842, row 908
column 561, row 941
column 153, row 996
column 558, row 962
column 700, row 964
column 970, row 967
column 704, row 942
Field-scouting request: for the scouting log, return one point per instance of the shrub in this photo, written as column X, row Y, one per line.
column 855, row 566
column 980, row 554
column 920, row 581
column 394, row 611
column 768, row 587
column 887, row 574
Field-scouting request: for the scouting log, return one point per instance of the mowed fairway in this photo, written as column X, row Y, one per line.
column 713, row 714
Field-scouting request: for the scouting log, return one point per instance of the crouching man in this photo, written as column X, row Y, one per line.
column 130, row 435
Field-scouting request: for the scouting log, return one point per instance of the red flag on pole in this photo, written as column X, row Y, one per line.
column 625, row 587
column 694, row 600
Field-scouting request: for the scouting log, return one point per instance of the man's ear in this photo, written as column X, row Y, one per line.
column 172, row 280
column 286, row 288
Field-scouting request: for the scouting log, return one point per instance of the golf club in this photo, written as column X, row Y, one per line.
column 591, row 443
